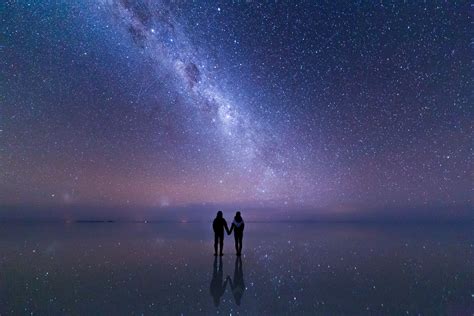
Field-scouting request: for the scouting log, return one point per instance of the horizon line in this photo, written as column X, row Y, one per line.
column 309, row 221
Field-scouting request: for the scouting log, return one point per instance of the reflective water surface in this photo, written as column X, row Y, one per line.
column 335, row 269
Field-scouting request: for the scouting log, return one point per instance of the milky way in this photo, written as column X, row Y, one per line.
column 153, row 29
column 300, row 108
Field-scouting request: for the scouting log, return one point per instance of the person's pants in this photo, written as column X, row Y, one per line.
column 238, row 242
column 218, row 239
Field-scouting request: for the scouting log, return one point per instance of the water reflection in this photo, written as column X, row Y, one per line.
column 218, row 284
column 298, row 269
column 237, row 284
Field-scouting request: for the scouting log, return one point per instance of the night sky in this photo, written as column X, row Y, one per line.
column 331, row 108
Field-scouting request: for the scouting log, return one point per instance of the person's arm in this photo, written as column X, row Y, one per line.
column 243, row 226
column 226, row 228
column 229, row 231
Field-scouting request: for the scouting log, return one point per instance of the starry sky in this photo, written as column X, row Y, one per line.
column 333, row 108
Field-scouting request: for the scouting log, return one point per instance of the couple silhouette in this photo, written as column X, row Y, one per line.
column 218, row 285
column 219, row 225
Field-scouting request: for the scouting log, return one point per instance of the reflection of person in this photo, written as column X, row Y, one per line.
column 217, row 284
column 218, row 225
column 237, row 284
column 238, row 228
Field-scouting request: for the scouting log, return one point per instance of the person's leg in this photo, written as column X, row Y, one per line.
column 221, row 243
column 216, row 237
column 236, row 240
column 240, row 243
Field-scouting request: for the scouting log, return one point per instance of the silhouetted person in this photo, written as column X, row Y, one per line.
column 217, row 284
column 237, row 284
column 238, row 228
column 218, row 225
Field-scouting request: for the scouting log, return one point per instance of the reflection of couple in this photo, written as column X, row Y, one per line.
column 218, row 284
column 219, row 224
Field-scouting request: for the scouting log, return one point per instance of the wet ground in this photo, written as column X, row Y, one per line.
column 157, row 268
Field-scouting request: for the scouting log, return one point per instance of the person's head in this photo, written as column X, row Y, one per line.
column 238, row 217
column 219, row 214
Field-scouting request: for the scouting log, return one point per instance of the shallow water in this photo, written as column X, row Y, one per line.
column 336, row 269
